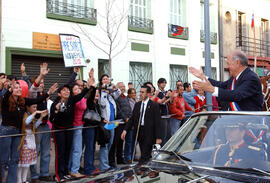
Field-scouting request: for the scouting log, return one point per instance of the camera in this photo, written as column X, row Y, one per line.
column 62, row 107
column 109, row 87
column 37, row 116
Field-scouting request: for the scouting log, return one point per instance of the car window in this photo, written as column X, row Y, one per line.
column 223, row 140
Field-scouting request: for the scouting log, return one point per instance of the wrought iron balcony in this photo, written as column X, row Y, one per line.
column 213, row 37
column 71, row 12
column 183, row 34
column 247, row 45
column 138, row 24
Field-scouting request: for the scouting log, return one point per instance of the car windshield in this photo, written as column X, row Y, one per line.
column 223, row 140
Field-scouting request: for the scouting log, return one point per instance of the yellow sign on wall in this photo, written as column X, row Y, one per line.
column 44, row 41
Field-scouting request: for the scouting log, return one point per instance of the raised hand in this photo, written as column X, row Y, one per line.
column 114, row 87
column 91, row 73
column 23, row 69
column 53, row 88
column 44, row 69
column 174, row 94
column 168, row 94
column 91, row 79
column 76, row 69
column 197, row 72
column 204, row 85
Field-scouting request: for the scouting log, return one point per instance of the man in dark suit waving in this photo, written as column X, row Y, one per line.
column 242, row 91
column 147, row 114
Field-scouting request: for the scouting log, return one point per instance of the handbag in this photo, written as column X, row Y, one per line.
column 91, row 115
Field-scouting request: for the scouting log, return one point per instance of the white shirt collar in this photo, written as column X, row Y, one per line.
column 145, row 101
column 201, row 97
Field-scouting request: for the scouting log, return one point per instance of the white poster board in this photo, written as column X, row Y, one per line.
column 72, row 50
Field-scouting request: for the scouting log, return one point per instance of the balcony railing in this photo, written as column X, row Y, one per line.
column 247, row 45
column 184, row 34
column 71, row 12
column 138, row 24
column 213, row 37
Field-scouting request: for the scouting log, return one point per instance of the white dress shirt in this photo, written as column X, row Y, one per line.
column 145, row 105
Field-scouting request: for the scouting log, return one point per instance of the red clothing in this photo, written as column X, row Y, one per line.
column 155, row 99
column 215, row 103
column 78, row 112
column 178, row 107
column 199, row 104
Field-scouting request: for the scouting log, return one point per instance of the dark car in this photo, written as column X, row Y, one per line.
column 210, row 147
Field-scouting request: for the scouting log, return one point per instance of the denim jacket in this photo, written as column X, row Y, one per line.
column 105, row 105
column 189, row 98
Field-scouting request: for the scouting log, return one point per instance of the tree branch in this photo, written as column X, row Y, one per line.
column 93, row 42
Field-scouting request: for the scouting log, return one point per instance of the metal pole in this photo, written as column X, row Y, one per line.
column 255, row 57
column 207, row 51
column 0, row 60
column 221, row 42
column 137, row 134
column 1, row 33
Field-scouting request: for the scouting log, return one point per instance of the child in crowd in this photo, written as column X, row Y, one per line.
column 28, row 154
column 200, row 101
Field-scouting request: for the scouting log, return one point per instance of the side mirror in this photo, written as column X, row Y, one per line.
column 155, row 149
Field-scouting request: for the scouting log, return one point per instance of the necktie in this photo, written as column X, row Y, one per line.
column 142, row 112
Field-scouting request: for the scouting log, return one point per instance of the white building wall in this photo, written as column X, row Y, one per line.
column 22, row 18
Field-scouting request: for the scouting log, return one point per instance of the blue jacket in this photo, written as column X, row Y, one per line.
column 247, row 91
column 189, row 98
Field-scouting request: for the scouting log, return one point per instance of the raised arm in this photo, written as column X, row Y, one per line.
column 43, row 72
column 73, row 76
column 24, row 75
column 90, row 82
column 31, row 101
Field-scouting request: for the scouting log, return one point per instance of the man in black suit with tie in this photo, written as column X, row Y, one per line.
column 147, row 114
column 242, row 92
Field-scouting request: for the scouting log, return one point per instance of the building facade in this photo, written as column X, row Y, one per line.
column 238, row 32
column 146, row 46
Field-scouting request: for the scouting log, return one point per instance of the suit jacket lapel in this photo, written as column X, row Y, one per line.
column 240, row 77
column 147, row 108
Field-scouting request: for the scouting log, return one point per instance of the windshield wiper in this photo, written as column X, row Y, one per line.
column 245, row 170
column 182, row 158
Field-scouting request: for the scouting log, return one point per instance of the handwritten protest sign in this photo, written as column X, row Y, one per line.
column 72, row 50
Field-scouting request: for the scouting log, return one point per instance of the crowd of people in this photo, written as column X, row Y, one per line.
column 36, row 111
column 84, row 114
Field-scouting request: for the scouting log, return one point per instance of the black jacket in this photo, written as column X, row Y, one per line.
column 124, row 109
column 14, row 118
column 91, row 105
column 152, row 121
column 65, row 118
column 164, row 109
column 247, row 93
column 102, row 136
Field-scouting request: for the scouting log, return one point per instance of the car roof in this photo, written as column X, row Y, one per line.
column 255, row 113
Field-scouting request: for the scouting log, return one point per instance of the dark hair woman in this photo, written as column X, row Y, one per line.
column 108, row 112
column 62, row 117
column 13, row 109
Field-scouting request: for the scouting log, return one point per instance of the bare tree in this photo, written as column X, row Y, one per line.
column 109, row 39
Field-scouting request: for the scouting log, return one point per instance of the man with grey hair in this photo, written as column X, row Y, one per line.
column 242, row 92
column 124, row 112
